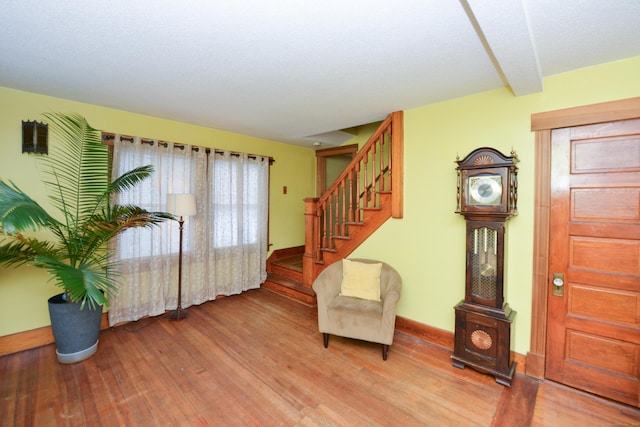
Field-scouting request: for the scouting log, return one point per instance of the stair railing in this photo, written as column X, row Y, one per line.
column 357, row 189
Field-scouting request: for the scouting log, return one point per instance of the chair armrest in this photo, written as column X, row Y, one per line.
column 391, row 298
column 389, row 303
column 327, row 284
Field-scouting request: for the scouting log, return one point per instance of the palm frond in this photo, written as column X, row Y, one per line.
column 76, row 171
column 130, row 179
column 102, row 227
column 87, row 283
column 130, row 216
column 19, row 212
column 22, row 250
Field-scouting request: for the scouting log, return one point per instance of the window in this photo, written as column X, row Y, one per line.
column 224, row 244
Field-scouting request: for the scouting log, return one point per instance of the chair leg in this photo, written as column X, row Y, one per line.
column 385, row 349
column 326, row 339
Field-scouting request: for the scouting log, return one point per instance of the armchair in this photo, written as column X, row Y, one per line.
column 358, row 318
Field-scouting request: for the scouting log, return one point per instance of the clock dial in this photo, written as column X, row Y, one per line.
column 485, row 190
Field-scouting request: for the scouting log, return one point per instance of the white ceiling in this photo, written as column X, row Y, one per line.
column 289, row 69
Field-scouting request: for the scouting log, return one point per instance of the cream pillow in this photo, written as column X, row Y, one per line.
column 361, row 280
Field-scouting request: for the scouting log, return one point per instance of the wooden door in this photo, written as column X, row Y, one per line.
column 330, row 162
column 593, row 329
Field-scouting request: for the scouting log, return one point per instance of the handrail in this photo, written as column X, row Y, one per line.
column 384, row 127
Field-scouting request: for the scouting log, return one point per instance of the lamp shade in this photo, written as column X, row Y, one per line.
column 181, row 204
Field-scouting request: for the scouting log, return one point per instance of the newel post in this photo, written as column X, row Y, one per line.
column 310, row 241
column 397, row 158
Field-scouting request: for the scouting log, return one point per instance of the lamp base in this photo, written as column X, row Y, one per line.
column 178, row 314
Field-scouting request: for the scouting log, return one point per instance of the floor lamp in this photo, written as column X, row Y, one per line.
column 180, row 205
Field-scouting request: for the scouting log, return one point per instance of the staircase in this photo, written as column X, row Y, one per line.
column 284, row 275
column 367, row 193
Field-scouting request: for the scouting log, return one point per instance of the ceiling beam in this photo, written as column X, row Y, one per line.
column 504, row 30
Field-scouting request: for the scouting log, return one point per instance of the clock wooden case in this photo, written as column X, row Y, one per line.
column 487, row 197
column 487, row 184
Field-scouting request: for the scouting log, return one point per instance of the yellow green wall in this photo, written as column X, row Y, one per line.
column 427, row 245
column 24, row 291
column 364, row 133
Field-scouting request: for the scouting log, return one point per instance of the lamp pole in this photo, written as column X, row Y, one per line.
column 181, row 205
column 179, row 313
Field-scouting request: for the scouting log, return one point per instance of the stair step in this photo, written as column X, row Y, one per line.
column 293, row 262
column 287, row 263
column 292, row 273
column 328, row 250
column 290, row 288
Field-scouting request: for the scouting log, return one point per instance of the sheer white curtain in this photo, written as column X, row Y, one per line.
column 147, row 258
column 237, row 209
column 224, row 244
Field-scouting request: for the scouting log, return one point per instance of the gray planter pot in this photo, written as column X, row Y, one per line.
column 75, row 331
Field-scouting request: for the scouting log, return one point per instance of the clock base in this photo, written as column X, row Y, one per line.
column 501, row 378
column 483, row 341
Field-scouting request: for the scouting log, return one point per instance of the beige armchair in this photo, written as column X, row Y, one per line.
column 353, row 317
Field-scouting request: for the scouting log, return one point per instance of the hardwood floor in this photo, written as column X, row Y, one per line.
column 257, row 359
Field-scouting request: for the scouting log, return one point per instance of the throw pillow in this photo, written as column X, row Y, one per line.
column 361, row 280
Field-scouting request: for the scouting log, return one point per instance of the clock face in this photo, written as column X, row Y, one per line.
column 485, row 190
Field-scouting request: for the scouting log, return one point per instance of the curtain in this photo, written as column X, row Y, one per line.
column 237, row 207
column 224, row 244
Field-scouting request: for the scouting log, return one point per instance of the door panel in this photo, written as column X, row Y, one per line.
column 593, row 328
column 587, row 204
column 596, row 351
column 589, row 301
column 604, row 255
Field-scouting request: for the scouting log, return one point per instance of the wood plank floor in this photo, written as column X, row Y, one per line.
column 257, row 359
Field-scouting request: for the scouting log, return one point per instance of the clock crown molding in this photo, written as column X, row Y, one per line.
column 487, row 157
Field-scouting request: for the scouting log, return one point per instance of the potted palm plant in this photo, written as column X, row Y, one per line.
column 74, row 251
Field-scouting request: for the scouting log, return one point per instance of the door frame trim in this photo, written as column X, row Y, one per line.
column 321, row 163
column 543, row 124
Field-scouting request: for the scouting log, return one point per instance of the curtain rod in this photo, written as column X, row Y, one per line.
column 108, row 137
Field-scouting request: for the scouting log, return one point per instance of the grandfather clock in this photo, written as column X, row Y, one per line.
column 487, row 198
